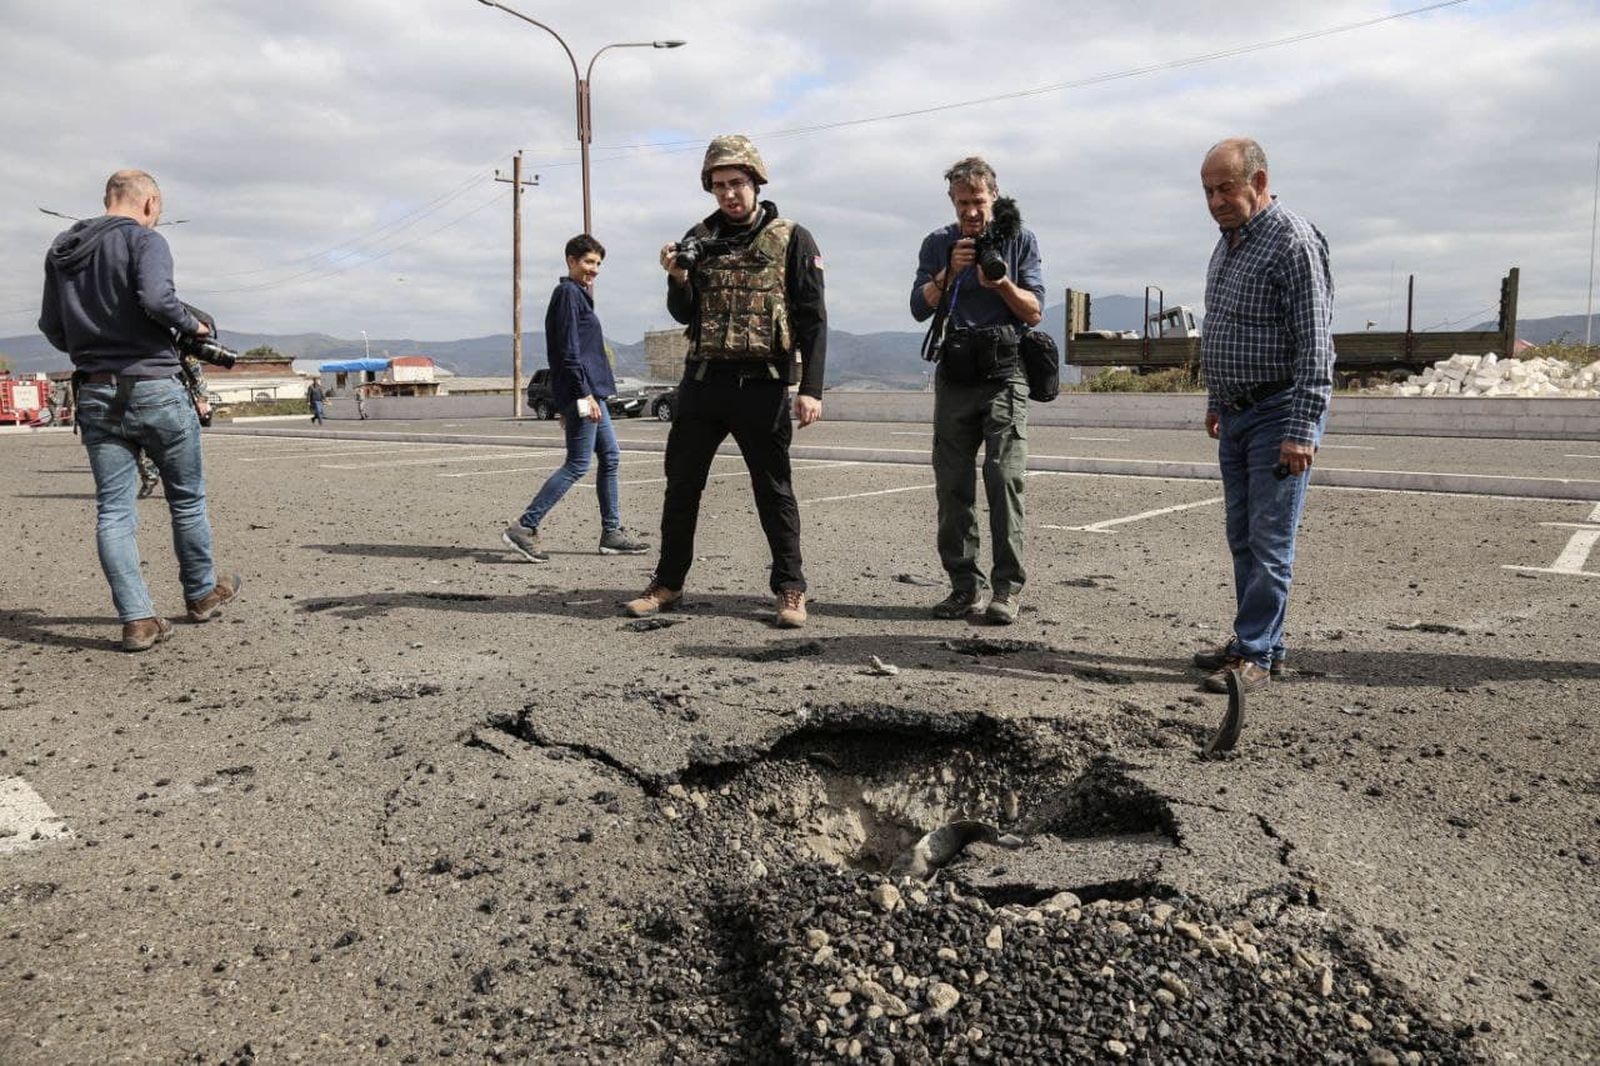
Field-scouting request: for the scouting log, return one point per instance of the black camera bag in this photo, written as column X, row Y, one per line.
column 1041, row 361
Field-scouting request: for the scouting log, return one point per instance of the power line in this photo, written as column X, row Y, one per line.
column 305, row 276
column 355, row 243
column 1447, row 323
column 1080, row 83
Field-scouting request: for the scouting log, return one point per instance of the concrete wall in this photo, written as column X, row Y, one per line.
column 1544, row 419
column 423, row 407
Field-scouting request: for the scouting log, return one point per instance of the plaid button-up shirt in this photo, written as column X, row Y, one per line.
column 1269, row 316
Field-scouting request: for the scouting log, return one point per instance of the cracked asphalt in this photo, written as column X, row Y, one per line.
column 413, row 797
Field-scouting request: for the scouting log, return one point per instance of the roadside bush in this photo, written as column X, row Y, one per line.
column 1573, row 352
column 256, row 408
column 1178, row 379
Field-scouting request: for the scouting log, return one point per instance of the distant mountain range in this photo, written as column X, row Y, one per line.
column 1545, row 330
column 855, row 360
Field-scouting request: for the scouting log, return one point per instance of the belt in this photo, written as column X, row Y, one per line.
column 740, row 372
column 1255, row 394
column 106, row 377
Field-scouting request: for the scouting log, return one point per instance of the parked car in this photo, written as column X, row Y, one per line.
column 664, row 405
column 542, row 403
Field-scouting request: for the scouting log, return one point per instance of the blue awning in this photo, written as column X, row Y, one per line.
column 350, row 366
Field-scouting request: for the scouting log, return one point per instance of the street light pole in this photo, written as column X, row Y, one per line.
column 581, row 85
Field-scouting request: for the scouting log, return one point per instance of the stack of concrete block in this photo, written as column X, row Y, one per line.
column 1487, row 375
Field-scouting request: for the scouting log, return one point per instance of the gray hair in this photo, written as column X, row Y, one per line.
column 1252, row 157
column 973, row 172
column 130, row 186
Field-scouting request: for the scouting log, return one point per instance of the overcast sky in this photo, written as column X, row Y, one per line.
column 336, row 160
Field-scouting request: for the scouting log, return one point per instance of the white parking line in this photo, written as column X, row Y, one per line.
column 859, row 495
column 26, row 820
column 1573, row 557
column 1571, row 455
column 280, row 456
column 1114, row 440
column 514, row 453
column 816, row 464
column 1108, row 526
column 1351, row 447
column 529, row 469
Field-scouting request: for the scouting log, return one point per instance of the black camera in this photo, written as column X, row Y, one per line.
column 692, row 249
column 1005, row 225
column 207, row 349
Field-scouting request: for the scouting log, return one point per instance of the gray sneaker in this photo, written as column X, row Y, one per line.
column 525, row 542
column 1002, row 610
column 617, row 542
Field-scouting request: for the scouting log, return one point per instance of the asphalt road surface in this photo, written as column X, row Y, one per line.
column 413, row 797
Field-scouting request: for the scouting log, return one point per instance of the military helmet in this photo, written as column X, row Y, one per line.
column 732, row 150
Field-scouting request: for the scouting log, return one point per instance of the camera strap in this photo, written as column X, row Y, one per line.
column 934, row 340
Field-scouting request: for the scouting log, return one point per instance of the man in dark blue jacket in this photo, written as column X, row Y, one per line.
column 580, row 381
column 109, row 302
column 980, row 396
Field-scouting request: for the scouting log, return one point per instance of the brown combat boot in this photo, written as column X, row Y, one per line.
column 1251, row 677
column 143, row 633
column 791, row 609
column 653, row 600
column 210, row 605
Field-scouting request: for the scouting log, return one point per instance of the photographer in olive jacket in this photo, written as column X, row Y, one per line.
column 109, row 302
column 748, row 285
column 981, row 280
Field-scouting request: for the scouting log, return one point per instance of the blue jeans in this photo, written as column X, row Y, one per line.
column 584, row 438
column 1263, row 514
column 156, row 416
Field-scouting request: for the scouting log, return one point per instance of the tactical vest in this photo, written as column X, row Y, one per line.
column 743, row 307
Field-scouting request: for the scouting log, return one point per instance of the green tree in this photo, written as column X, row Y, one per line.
column 5, row 363
column 265, row 353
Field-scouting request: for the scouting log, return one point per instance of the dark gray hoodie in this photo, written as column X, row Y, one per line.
column 109, row 298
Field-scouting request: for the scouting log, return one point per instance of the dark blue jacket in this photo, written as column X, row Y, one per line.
column 575, row 346
column 975, row 305
column 109, row 298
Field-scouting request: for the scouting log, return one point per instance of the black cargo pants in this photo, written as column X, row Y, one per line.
column 755, row 410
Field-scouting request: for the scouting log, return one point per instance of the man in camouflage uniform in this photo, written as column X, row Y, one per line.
column 748, row 285
column 194, row 379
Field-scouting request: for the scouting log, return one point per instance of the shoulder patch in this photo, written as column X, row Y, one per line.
column 816, row 261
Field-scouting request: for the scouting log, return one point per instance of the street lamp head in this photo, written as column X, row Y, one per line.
column 653, row 44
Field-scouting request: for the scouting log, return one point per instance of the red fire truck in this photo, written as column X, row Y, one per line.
column 23, row 399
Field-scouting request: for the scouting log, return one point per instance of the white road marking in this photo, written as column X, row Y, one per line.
column 515, row 453
column 818, row 464
column 1570, row 455
column 911, row 433
column 26, row 820
column 1111, row 440
column 1351, row 447
column 1573, row 557
column 859, row 495
column 280, row 456
column 528, row 469
column 1109, row 525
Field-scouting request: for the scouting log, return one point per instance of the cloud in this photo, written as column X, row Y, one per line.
column 324, row 152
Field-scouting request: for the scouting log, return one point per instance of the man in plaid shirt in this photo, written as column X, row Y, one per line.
column 1268, row 356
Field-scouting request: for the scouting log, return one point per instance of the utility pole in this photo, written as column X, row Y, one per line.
column 516, row 277
column 1588, row 313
